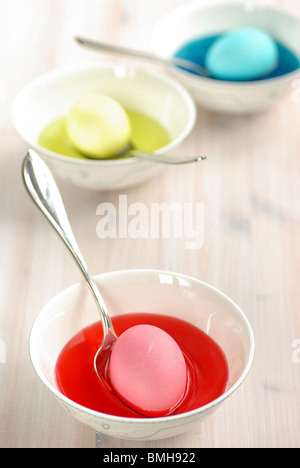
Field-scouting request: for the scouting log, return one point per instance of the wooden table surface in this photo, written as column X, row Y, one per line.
column 250, row 189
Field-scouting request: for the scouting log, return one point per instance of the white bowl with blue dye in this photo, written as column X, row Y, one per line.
column 202, row 19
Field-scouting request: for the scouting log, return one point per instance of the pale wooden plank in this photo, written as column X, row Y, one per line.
column 250, row 190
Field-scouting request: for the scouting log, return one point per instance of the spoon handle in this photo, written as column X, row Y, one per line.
column 43, row 190
column 165, row 159
column 104, row 47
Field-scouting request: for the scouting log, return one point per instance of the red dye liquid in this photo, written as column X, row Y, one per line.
column 206, row 364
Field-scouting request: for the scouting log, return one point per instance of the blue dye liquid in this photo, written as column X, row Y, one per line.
column 196, row 51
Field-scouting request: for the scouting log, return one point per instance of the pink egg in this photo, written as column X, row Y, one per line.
column 148, row 370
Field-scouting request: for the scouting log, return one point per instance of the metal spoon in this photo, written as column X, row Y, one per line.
column 129, row 151
column 43, row 190
column 158, row 158
column 147, row 56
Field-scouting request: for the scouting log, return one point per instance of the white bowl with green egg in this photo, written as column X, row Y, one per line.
column 161, row 112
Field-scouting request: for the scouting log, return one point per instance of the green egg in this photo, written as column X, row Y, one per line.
column 147, row 134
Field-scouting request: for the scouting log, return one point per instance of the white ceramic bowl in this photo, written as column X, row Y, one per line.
column 53, row 95
column 148, row 291
column 203, row 18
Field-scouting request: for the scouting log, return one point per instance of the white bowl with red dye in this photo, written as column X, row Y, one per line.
column 148, row 291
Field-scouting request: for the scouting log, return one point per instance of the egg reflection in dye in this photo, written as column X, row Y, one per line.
column 242, row 55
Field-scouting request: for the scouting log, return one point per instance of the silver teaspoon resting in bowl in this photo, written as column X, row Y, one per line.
column 158, row 158
column 43, row 190
column 145, row 56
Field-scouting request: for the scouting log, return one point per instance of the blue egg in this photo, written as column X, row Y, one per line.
column 242, row 55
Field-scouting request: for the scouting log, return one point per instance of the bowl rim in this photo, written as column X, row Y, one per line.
column 198, row 5
column 86, row 66
column 120, row 419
